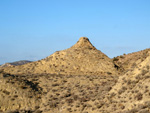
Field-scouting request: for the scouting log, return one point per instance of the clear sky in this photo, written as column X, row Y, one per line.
column 34, row 29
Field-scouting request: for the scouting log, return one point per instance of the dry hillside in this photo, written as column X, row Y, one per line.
column 80, row 79
column 53, row 93
column 127, row 61
column 131, row 94
column 81, row 59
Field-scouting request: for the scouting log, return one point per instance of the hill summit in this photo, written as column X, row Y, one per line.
column 81, row 59
column 83, row 43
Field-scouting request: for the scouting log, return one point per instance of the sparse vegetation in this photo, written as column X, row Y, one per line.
column 80, row 79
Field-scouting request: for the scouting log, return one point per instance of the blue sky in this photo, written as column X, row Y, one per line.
column 34, row 29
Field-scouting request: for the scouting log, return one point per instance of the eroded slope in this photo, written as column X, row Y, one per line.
column 127, row 61
column 131, row 94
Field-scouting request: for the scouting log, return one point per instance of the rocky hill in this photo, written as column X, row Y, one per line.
column 81, row 59
column 80, row 79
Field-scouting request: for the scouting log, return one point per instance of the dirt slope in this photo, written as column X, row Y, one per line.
column 131, row 94
column 127, row 61
column 18, row 93
column 53, row 93
column 81, row 59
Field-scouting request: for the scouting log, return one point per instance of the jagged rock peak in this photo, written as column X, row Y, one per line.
column 83, row 43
